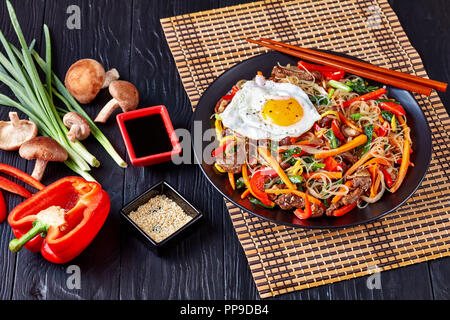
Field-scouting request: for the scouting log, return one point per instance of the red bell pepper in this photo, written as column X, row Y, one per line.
column 16, row 173
column 231, row 95
column 222, row 148
column 304, row 214
column 393, row 107
column 2, row 208
column 257, row 184
column 365, row 97
column 332, row 165
column 344, row 209
column 387, row 177
column 328, row 72
column 337, row 132
column 12, row 187
column 380, row 131
column 86, row 206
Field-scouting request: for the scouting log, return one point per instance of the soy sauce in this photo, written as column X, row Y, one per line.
column 148, row 135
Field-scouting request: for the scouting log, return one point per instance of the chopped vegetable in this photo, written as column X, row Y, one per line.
column 332, row 165
column 334, row 143
column 337, row 132
column 360, row 86
column 231, row 179
column 240, row 183
column 336, row 198
column 355, row 116
column 255, row 189
column 348, row 122
column 318, row 175
column 258, row 202
column 368, row 96
column 339, row 85
column 319, row 100
column 358, row 163
column 357, row 141
column 368, row 131
column 13, row 187
column 392, row 107
column 387, row 177
column 264, row 152
column 405, row 162
column 344, row 209
column 245, row 194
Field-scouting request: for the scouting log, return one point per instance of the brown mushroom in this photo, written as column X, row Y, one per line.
column 349, row 131
column 125, row 96
column 86, row 77
column 43, row 149
column 15, row 132
column 78, row 126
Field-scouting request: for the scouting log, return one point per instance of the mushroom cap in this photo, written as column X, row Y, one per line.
column 125, row 93
column 84, row 79
column 43, row 148
column 71, row 119
column 15, row 132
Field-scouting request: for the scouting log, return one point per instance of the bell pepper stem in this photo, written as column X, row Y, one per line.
column 38, row 227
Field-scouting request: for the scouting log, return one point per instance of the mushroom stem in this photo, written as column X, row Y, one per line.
column 110, row 76
column 74, row 132
column 107, row 110
column 14, row 118
column 39, row 169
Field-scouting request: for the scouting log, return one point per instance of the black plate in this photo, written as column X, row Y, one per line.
column 420, row 134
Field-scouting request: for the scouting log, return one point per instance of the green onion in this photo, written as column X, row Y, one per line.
column 258, row 202
column 240, row 183
column 339, row 85
column 330, row 94
column 355, row 116
column 334, row 143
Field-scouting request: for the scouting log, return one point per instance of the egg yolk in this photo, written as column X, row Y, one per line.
column 283, row 112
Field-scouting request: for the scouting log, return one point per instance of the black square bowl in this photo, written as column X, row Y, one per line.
column 170, row 192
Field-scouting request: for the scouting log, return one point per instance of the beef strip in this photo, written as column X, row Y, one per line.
column 279, row 72
column 325, row 122
column 289, row 201
column 316, row 211
column 229, row 165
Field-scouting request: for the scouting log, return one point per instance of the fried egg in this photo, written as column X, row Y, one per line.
column 270, row 110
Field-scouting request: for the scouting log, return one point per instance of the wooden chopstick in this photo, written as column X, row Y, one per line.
column 437, row 85
column 390, row 80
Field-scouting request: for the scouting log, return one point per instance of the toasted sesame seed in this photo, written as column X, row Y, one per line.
column 160, row 217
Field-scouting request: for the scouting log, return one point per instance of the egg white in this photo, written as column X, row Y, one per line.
column 244, row 113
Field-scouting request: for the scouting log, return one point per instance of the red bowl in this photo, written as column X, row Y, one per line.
column 154, row 158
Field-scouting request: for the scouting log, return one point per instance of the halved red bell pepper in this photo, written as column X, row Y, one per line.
column 86, row 206
column 3, row 210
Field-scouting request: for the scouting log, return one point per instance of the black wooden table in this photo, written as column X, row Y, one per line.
column 210, row 263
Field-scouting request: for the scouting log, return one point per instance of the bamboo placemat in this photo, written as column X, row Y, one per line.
column 284, row 259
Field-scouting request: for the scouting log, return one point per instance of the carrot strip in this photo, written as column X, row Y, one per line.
column 359, row 140
column 264, row 152
column 302, row 142
column 375, row 186
column 376, row 161
column 317, row 175
column 348, row 122
column 231, row 179
column 337, row 198
column 359, row 163
column 405, row 162
column 296, row 192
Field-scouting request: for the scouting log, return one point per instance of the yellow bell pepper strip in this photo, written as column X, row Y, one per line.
column 231, row 179
column 365, row 97
column 336, row 198
column 245, row 194
column 219, row 168
column 219, row 128
column 265, row 153
column 393, row 123
column 405, row 162
column 356, row 142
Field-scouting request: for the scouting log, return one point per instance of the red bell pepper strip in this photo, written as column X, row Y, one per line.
column 257, row 184
column 86, row 207
column 2, row 208
column 387, row 177
column 337, row 132
column 393, row 107
column 231, row 95
column 380, row 131
column 13, row 187
column 328, row 72
column 222, row 148
column 344, row 209
column 16, row 173
column 332, row 165
column 365, row 97
column 304, row 214
column 336, row 75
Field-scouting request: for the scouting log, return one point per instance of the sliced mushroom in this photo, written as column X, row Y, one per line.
column 86, row 77
column 15, row 132
column 78, row 126
column 43, row 149
column 349, row 131
column 125, row 96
